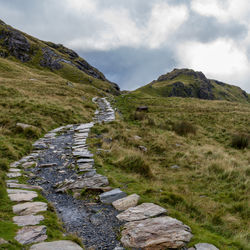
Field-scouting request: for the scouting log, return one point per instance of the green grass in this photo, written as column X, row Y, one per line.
column 210, row 190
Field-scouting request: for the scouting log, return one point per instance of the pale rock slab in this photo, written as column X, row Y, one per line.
column 56, row 245
column 28, row 220
column 141, row 212
column 205, row 246
column 3, row 241
column 14, row 175
column 113, row 195
column 23, row 186
column 19, row 195
column 14, row 170
column 29, row 208
column 31, row 234
column 29, row 164
column 156, row 233
column 127, row 202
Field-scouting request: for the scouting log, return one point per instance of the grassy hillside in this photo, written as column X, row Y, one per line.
column 44, row 98
column 209, row 187
column 189, row 83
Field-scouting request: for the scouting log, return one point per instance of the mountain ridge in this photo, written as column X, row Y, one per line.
column 189, row 83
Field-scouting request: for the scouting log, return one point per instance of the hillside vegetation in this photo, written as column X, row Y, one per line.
column 180, row 154
column 45, row 96
column 190, row 83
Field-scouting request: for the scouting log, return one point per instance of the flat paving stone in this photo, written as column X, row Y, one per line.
column 29, row 164
column 20, row 195
column 56, row 245
column 31, row 234
column 14, row 170
column 14, row 175
column 28, row 220
column 23, row 186
column 205, row 246
column 113, row 195
column 29, row 208
column 141, row 212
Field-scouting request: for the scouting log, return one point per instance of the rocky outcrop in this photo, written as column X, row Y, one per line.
column 156, row 233
column 16, row 43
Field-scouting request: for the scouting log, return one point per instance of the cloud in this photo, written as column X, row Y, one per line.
column 120, row 29
column 221, row 60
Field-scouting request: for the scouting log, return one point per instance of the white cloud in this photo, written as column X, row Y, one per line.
column 221, row 60
column 222, row 10
column 118, row 28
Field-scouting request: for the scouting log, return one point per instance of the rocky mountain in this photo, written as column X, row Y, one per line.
column 190, row 83
column 17, row 45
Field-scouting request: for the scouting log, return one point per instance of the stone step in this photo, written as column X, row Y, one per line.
column 141, row 212
column 13, row 175
column 23, row 186
column 111, row 196
column 127, row 202
column 28, row 220
column 56, row 245
column 29, row 208
column 31, row 234
column 19, row 195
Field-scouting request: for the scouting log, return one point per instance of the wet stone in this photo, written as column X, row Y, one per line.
column 111, row 196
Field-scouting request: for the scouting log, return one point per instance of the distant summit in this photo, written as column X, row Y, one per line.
column 190, row 83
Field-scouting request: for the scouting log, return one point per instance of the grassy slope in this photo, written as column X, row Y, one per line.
column 43, row 99
column 210, row 190
column 163, row 88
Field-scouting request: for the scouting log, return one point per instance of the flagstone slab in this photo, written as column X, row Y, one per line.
column 28, row 220
column 29, row 208
column 19, row 195
column 56, row 245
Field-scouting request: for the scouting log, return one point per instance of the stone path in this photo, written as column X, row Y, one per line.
column 61, row 164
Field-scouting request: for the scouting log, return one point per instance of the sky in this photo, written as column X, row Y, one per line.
column 135, row 41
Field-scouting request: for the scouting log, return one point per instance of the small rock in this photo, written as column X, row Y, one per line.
column 29, row 208
column 2, row 241
column 175, row 167
column 127, row 202
column 19, row 195
column 205, row 246
column 111, row 196
column 143, row 149
column 142, row 108
column 157, row 233
column 23, row 125
column 46, row 165
column 141, row 212
column 56, row 245
column 39, row 145
column 31, row 234
column 28, row 220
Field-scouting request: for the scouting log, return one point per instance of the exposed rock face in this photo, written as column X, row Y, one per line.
column 16, row 43
column 29, row 208
column 56, row 245
column 156, row 233
column 33, row 234
column 50, row 59
column 141, row 212
column 28, row 220
column 127, row 202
